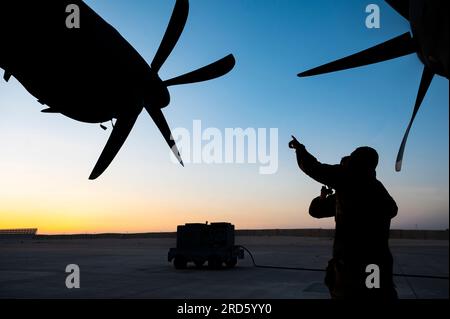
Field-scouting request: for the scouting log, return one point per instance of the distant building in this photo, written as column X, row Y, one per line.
column 22, row 233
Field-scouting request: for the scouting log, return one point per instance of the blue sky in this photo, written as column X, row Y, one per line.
column 272, row 41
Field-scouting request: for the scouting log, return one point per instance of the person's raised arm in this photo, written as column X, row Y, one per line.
column 329, row 175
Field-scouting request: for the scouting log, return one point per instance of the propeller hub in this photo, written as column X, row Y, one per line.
column 156, row 94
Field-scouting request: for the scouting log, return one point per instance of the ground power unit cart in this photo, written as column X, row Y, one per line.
column 200, row 243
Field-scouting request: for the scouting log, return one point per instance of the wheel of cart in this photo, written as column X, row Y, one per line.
column 199, row 262
column 230, row 263
column 180, row 262
column 214, row 262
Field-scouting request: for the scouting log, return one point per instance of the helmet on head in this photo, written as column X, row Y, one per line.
column 364, row 159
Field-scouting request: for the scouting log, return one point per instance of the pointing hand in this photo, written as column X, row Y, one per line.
column 294, row 144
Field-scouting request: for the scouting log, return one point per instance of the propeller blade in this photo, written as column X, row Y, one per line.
column 118, row 136
column 173, row 33
column 394, row 48
column 401, row 6
column 206, row 73
column 160, row 121
column 427, row 77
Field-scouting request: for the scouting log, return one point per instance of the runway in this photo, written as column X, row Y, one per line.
column 138, row 268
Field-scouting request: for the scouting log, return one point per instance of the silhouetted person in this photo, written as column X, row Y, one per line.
column 363, row 210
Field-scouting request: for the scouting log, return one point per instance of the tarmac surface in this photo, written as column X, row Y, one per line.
column 138, row 268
